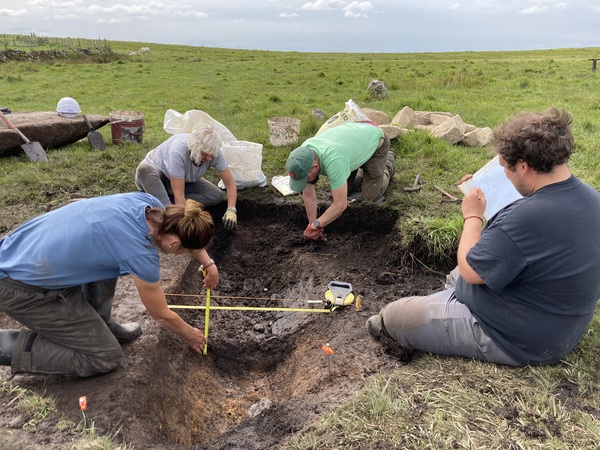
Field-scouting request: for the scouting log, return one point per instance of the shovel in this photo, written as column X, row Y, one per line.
column 34, row 150
column 94, row 138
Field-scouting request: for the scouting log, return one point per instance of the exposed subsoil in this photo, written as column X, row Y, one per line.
column 265, row 376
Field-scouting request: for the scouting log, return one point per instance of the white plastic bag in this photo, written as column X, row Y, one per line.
column 351, row 113
column 244, row 160
column 176, row 123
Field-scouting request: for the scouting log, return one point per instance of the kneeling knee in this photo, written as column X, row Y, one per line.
column 102, row 361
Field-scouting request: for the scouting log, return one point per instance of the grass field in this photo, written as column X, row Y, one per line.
column 462, row 404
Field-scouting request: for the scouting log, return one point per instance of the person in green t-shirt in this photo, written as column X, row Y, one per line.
column 338, row 153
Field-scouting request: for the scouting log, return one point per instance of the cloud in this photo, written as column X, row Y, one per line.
column 112, row 21
column 114, row 12
column 542, row 8
column 150, row 9
column 358, row 9
column 321, row 5
column 354, row 9
column 443, row 25
column 13, row 12
column 62, row 17
column 534, row 9
column 355, row 15
column 56, row 4
column 194, row 14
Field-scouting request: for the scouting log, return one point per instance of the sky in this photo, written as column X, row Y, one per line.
column 389, row 26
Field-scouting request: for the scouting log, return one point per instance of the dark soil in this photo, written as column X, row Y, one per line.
column 265, row 376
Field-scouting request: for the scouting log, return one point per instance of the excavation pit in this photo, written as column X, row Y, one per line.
column 265, row 376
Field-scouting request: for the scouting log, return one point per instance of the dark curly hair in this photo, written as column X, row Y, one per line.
column 542, row 140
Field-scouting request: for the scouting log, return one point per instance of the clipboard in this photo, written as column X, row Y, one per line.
column 498, row 189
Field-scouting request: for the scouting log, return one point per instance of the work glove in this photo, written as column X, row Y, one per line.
column 230, row 218
column 314, row 233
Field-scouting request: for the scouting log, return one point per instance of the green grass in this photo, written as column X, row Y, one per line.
column 243, row 88
column 449, row 402
column 36, row 412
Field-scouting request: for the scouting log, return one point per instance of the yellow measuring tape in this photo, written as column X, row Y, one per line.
column 248, row 308
column 207, row 307
column 206, row 314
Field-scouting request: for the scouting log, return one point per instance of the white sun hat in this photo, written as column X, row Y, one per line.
column 68, row 107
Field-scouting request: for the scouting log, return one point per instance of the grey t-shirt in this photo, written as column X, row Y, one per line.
column 540, row 260
column 172, row 157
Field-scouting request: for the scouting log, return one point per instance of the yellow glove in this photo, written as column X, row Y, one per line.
column 230, row 218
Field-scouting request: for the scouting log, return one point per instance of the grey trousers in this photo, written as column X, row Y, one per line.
column 149, row 179
column 439, row 323
column 67, row 332
column 376, row 174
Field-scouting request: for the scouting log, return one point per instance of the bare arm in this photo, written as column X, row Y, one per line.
column 230, row 186
column 309, row 196
column 155, row 302
column 339, row 205
column 178, row 188
column 473, row 207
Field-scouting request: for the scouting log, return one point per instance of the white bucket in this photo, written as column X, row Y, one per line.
column 283, row 130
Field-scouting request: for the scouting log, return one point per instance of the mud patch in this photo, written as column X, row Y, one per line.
column 265, row 376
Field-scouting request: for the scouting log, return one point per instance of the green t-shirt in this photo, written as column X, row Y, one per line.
column 344, row 148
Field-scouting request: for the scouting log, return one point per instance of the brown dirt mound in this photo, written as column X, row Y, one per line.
column 265, row 376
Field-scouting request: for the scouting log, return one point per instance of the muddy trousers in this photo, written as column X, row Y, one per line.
column 376, row 173
column 439, row 323
column 67, row 331
column 149, row 179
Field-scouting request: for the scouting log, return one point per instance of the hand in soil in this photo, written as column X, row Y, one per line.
column 314, row 233
column 196, row 340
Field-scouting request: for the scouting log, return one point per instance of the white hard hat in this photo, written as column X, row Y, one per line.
column 68, row 107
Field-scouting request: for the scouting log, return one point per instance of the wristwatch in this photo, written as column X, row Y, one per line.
column 316, row 224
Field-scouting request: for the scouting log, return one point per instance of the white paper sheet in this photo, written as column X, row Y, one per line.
column 498, row 190
column 282, row 184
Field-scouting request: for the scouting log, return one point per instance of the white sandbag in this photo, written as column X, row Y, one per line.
column 351, row 113
column 244, row 160
column 176, row 123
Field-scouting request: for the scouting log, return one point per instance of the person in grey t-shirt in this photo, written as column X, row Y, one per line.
column 527, row 285
column 174, row 171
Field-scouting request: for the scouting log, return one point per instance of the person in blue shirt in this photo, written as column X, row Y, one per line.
column 58, row 274
column 526, row 285
column 174, row 171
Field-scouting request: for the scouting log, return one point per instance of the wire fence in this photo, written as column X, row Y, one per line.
column 34, row 42
column 21, row 47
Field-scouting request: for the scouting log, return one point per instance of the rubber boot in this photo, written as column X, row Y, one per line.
column 124, row 332
column 100, row 296
column 8, row 339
